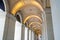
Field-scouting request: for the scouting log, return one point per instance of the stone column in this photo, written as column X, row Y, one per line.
column 9, row 28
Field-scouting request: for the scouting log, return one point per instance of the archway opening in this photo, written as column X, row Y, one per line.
column 2, row 5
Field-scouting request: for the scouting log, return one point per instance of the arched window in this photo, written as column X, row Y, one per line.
column 18, row 27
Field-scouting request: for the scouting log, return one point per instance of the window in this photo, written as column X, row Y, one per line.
column 18, row 27
column 26, row 33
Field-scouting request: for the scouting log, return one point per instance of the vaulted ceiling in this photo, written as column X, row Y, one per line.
column 47, row 3
column 31, row 13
